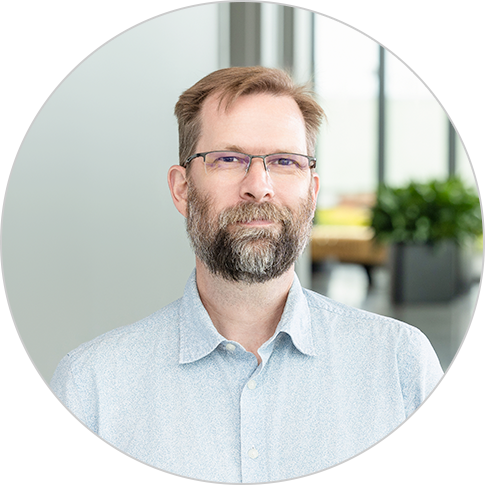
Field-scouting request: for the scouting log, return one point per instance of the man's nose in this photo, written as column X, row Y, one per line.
column 257, row 185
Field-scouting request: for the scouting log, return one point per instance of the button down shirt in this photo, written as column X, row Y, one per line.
column 174, row 393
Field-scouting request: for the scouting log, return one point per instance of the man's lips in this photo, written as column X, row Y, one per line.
column 258, row 222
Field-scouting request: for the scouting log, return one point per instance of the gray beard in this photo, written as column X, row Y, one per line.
column 247, row 254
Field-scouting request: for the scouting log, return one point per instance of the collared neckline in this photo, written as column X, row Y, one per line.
column 199, row 337
column 296, row 320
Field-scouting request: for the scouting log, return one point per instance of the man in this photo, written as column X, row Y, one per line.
column 248, row 377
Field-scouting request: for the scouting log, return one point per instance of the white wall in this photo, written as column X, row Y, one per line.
column 90, row 238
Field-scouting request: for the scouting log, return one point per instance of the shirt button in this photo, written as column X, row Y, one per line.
column 231, row 347
column 252, row 385
column 253, row 453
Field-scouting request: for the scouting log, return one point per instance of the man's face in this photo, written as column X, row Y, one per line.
column 252, row 227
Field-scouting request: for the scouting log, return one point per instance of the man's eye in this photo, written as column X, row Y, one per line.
column 228, row 159
column 284, row 161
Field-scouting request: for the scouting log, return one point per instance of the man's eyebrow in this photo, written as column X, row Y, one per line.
column 235, row 148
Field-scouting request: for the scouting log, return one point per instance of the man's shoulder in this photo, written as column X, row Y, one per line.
column 158, row 329
column 368, row 336
column 325, row 310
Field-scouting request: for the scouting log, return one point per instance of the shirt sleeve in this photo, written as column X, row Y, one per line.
column 64, row 386
column 419, row 368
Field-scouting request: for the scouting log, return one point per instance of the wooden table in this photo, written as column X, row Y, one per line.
column 347, row 244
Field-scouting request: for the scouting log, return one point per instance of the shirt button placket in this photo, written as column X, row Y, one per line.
column 253, row 466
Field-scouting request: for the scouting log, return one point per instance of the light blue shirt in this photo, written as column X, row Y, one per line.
column 170, row 391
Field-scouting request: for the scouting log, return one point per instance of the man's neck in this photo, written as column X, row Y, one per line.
column 242, row 312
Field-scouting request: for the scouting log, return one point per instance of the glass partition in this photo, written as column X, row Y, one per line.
column 346, row 79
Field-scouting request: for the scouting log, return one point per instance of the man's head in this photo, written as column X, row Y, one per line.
column 231, row 83
column 248, row 218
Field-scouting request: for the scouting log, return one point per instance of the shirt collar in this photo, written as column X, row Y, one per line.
column 199, row 337
column 296, row 320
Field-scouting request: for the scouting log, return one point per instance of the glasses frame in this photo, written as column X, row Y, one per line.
column 312, row 161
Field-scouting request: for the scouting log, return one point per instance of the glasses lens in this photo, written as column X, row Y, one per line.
column 226, row 161
column 286, row 163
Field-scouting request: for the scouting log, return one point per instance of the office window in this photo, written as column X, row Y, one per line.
column 416, row 128
column 346, row 80
column 463, row 166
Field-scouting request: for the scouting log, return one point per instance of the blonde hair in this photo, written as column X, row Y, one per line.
column 229, row 84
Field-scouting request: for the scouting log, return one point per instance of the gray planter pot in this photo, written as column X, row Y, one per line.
column 422, row 273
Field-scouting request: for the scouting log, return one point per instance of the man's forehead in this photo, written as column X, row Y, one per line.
column 259, row 123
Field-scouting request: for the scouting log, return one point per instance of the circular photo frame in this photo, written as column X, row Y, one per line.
column 89, row 231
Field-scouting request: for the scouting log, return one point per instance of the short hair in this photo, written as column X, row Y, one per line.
column 229, row 84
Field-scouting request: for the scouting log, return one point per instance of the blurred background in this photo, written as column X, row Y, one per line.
column 91, row 240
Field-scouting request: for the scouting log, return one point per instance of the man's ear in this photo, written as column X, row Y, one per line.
column 315, row 187
column 177, row 182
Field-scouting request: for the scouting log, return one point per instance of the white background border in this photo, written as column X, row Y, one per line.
column 443, row 41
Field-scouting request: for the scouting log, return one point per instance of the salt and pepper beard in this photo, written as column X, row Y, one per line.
column 247, row 254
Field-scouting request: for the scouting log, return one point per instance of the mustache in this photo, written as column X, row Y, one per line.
column 251, row 211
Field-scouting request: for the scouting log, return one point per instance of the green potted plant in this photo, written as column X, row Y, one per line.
column 429, row 226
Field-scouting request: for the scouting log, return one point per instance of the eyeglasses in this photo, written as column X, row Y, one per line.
column 239, row 163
